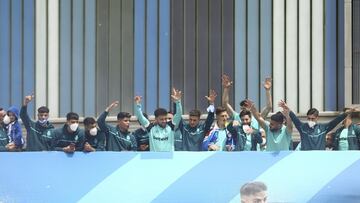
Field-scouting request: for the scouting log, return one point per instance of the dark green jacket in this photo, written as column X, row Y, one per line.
column 36, row 137
column 97, row 141
column 62, row 138
column 116, row 140
column 4, row 139
column 353, row 137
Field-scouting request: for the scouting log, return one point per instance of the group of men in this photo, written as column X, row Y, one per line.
column 246, row 130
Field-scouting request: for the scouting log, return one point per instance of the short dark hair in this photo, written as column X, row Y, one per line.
column 160, row 112
column 89, row 121
column 195, row 112
column 252, row 188
column 242, row 103
column 122, row 115
column 244, row 113
column 72, row 116
column 313, row 111
column 277, row 117
column 1, row 109
column 219, row 110
column 43, row 109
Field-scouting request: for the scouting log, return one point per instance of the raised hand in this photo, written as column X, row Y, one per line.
column 283, row 105
column 112, row 105
column 248, row 104
column 176, row 95
column 28, row 99
column 212, row 96
column 267, row 83
column 226, row 81
column 137, row 99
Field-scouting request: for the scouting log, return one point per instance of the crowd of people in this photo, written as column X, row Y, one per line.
column 223, row 130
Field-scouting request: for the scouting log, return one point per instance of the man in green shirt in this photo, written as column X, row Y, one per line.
column 278, row 136
column 94, row 138
column 161, row 133
column 36, row 138
column 4, row 138
column 118, row 138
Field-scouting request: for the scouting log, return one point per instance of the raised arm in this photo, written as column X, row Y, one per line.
column 226, row 84
column 23, row 111
column 332, row 124
column 210, row 117
column 101, row 120
column 138, row 112
column 250, row 105
column 286, row 113
column 267, row 85
column 176, row 98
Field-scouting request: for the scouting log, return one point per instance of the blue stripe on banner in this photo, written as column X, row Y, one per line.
column 29, row 51
column 240, row 52
column 48, row 184
column 342, row 187
column 90, row 56
column 164, row 53
column 65, row 57
column 330, row 55
column 290, row 172
column 77, row 57
column 157, row 178
column 151, row 56
column 253, row 52
column 5, row 53
column 139, row 48
column 265, row 45
column 340, row 56
column 16, row 52
column 235, row 174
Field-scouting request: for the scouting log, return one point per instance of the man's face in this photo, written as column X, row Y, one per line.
column 275, row 126
column 11, row 116
column 2, row 115
column 124, row 124
column 260, row 197
column 162, row 120
column 246, row 120
column 43, row 116
column 169, row 117
column 90, row 126
column 312, row 117
column 72, row 121
column 222, row 118
column 194, row 121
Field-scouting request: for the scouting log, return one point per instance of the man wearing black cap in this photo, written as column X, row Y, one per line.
column 278, row 136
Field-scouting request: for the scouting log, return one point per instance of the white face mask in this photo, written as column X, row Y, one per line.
column 43, row 122
column 311, row 124
column 93, row 131
column 74, row 126
column 246, row 128
column 6, row 119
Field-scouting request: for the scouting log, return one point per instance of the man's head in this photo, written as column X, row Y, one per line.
column 253, row 192
column 123, row 120
column 312, row 114
column 161, row 117
column 194, row 118
column 90, row 125
column 276, row 121
column 43, row 114
column 2, row 115
column 242, row 105
column 245, row 116
column 169, row 116
column 72, row 120
column 221, row 116
column 13, row 113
